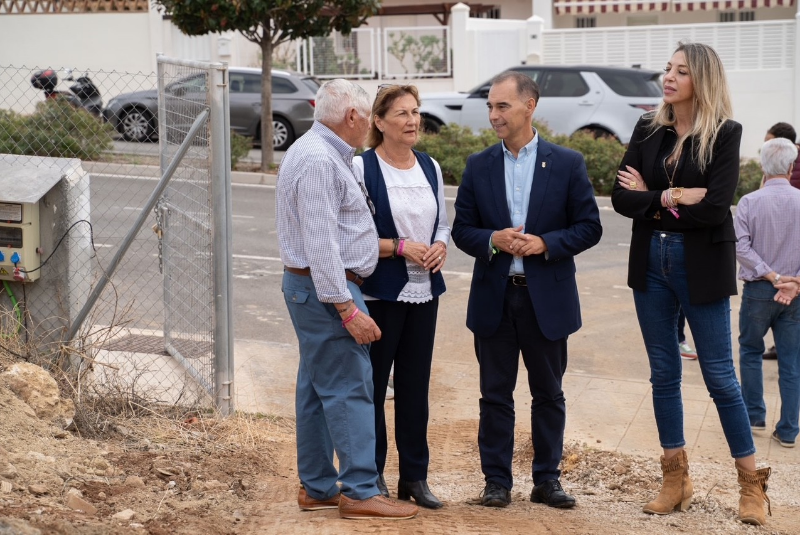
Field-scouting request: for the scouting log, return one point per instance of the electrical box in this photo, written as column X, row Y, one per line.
column 19, row 241
column 21, row 192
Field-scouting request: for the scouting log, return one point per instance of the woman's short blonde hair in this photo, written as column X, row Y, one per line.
column 386, row 96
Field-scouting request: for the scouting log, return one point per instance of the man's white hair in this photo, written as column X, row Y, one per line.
column 337, row 96
column 777, row 155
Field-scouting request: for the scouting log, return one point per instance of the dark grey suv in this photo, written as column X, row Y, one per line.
column 135, row 115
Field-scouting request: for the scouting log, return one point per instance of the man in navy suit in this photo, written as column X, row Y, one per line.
column 524, row 209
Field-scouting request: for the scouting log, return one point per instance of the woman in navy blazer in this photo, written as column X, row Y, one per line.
column 677, row 181
column 403, row 292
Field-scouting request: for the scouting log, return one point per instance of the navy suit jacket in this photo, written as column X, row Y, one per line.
column 562, row 211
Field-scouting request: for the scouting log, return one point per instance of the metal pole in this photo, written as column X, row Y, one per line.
column 143, row 215
column 221, row 248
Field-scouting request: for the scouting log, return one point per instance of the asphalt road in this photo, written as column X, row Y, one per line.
column 609, row 343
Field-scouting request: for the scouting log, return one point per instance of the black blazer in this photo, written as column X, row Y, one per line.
column 562, row 211
column 707, row 227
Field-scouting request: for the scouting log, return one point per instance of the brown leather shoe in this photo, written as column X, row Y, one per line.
column 307, row 503
column 376, row 507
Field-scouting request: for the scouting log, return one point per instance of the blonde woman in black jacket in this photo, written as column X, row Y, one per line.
column 677, row 182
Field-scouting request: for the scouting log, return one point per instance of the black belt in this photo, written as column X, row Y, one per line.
column 306, row 272
column 518, row 280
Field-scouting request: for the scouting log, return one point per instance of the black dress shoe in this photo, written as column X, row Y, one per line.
column 495, row 495
column 771, row 354
column 419, row 491
column 551, row 493
column 384, row 490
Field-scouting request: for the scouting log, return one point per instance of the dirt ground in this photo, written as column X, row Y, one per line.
column 189, row 473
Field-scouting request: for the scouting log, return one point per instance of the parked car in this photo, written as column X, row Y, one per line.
column 135, row 115
column 604, row 100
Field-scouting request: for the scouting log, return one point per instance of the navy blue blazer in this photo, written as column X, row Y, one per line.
column 562, row 210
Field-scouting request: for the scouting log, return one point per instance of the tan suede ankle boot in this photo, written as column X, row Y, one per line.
column 753, row 494
column 676, row 491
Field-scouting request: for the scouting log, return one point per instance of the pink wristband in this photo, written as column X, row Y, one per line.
column 350, row 317
column 400, row 247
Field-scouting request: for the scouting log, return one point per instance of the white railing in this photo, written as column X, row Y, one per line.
column 741, row 46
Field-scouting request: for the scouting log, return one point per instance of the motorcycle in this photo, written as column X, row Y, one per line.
column 83, row 93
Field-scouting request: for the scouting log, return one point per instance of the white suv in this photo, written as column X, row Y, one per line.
column 604, row 100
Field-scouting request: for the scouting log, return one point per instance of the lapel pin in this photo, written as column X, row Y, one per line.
column 544, row 164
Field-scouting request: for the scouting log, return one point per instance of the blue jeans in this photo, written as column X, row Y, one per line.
column 333, row 397
column 759, row 312
column 657, row 308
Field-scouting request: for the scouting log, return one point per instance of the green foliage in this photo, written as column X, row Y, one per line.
column 240, row 147
column 273, row 20
column 56, row 129
column 750, row 176
column 428, row 53
column 454, row 144
column 451, row 146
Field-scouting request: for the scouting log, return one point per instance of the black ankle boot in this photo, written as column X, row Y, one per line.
column 419, row 491
column 384, row 490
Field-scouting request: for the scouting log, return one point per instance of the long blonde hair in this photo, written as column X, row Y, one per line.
column 711, row 102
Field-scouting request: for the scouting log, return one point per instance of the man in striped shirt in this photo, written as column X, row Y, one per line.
column 328, row 244
column 768, row 235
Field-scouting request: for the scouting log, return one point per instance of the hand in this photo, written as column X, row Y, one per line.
column 528, row 245
column 363, row 328
column 787, row 292
column 435, row 257
column 631, row 179
column 503, row 239
column 415, row 251
column 690, row 196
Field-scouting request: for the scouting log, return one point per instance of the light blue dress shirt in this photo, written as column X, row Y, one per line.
column 519, row 180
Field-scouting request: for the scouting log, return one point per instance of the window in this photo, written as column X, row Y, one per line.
column 747, row 16
column 282, row 85
column 727, row 16
column 586, row 22
column 563, row 84
column 632, row 84
column 492, row 13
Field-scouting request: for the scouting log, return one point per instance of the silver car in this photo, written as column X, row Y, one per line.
column 604, row 100
column 135, row 115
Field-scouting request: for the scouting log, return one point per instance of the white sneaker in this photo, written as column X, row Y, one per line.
column 687, row 353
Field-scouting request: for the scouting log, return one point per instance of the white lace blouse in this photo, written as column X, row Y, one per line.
column 414, row 213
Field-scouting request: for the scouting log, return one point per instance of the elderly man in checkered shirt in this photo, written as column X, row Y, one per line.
column 328, row 244
column 768, row 235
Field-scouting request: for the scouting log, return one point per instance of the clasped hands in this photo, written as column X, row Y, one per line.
column 517, row 243
column 788, row 290
column 632, row 180
column 432, row 258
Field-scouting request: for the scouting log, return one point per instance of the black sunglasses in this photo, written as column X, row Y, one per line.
column 370, row 204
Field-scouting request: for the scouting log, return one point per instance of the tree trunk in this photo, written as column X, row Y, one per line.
column 267, row 153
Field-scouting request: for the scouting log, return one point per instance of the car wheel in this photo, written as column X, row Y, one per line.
column 431, row 125
column 599, row 132
column 136, row 125
column 282, row 133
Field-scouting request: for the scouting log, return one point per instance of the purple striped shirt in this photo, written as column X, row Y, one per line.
column 768, row 231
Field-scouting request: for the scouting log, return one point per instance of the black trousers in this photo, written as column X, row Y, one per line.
column 546, row 362
column 407, row 333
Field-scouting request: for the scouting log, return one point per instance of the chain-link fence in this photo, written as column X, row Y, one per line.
column 160, row 328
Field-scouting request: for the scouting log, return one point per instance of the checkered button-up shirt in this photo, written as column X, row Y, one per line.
column 322, row 215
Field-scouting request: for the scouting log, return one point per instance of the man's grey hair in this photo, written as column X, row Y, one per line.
column 777, row 155
column 337, row 96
